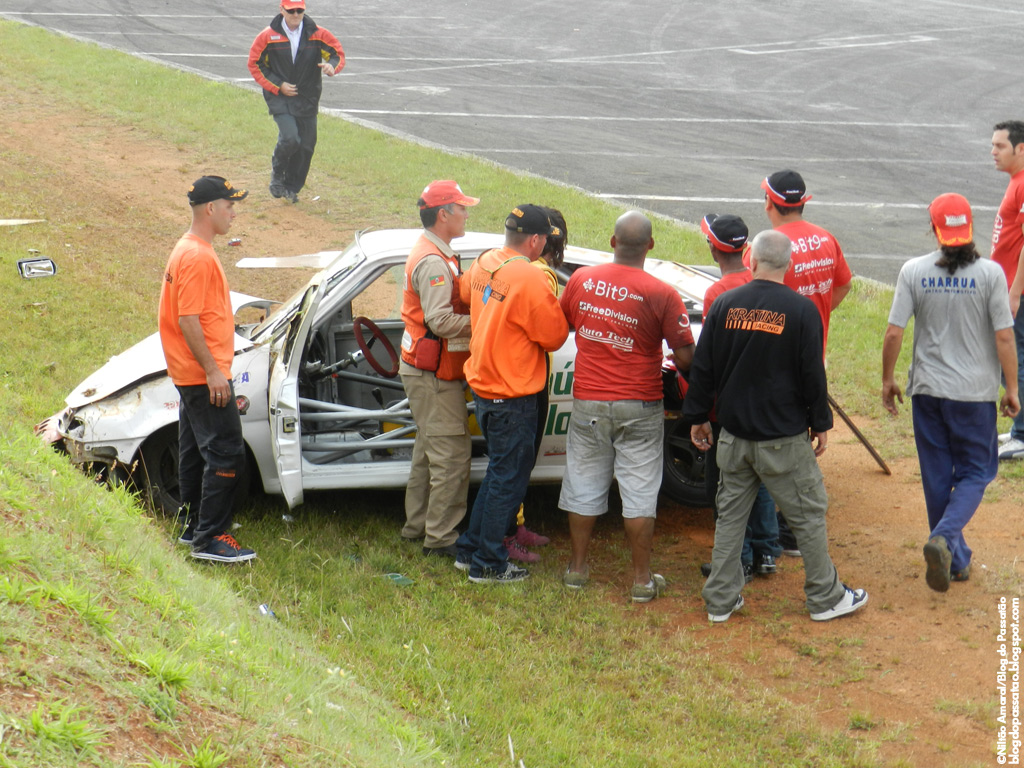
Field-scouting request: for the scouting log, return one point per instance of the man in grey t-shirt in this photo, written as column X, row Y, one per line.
column 963, row 334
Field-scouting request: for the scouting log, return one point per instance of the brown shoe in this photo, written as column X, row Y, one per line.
column 938, row 558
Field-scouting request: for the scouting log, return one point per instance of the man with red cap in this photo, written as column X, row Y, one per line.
column 288, row 59
column 963, row 336
column 435, row 347
column 727, row 239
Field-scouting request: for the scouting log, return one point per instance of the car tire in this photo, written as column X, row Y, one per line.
column 683, row 476
column 156, row 475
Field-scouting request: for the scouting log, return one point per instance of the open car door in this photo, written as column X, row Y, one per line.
column 285, row 430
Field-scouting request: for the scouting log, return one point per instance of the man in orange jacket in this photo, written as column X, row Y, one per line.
column 435, row 348
column 516, row 321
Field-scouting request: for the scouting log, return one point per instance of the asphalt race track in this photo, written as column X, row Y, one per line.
column 678, row 107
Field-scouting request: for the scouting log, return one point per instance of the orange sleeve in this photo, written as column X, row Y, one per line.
column 256, row 52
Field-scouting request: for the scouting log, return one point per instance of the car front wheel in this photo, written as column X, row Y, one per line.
column 683, row 477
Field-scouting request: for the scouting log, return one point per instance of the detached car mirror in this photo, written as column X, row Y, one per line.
column 36, row 268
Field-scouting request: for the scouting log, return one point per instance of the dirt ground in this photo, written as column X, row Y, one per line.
column 915, row 669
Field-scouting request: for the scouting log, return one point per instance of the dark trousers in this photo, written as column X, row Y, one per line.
column 509, row 426
column 957, row 451
column 210, row 458
column 296, row 141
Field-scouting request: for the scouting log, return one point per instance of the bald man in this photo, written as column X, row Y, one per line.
column 621, row 315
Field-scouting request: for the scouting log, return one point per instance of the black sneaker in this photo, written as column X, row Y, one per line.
column 939, row 560
column 188, row 535
column 511, row 574
column 765, row 565
column 291, row 197
column 276, row 190
column 748, row 571
column 224, row 549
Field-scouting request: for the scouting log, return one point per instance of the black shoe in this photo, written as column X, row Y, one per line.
column 748, row 572
column 276, row 190
column 450, row 551
column 291, row 197
column 187, row 535
column 224, row 549
column 765, row 565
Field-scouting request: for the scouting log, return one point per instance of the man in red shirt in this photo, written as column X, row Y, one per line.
column 1008, row 252
column 819, row 270
column 197, row 331
column 727, row 239
column 621, row 314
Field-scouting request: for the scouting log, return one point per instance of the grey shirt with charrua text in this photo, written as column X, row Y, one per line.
column 955, row 321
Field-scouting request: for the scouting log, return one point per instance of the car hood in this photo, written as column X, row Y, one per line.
column 144, row 360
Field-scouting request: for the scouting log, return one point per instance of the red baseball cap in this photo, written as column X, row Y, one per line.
column 292, row 4
column 438, row 193
column 951, row 217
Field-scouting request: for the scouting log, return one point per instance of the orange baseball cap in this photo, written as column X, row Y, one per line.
column 438, row 193
column 951, row 217
column 289, row 5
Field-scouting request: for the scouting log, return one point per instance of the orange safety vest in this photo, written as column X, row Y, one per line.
column 452, row 363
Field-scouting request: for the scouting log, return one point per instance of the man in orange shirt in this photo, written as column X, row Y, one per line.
column 197, row 331
column 516, row 321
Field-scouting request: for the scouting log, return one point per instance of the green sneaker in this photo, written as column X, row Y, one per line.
column 575, row 579
column 644, row 593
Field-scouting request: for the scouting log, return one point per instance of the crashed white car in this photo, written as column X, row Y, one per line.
column 322, row 407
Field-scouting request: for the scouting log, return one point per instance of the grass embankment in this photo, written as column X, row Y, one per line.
column 116, row 649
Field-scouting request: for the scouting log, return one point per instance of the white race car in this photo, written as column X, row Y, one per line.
column 322, row 407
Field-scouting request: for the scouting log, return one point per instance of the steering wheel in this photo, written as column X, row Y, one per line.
column 357, row 326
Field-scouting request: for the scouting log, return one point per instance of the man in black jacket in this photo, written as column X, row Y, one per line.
column 287, row 59
column 759, row 363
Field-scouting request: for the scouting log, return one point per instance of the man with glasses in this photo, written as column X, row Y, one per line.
column 435, row 347
column 287, row 59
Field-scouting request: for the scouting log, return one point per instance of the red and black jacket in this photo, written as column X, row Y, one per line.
column 270, row 63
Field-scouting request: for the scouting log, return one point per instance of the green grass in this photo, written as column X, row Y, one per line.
column 358, row 670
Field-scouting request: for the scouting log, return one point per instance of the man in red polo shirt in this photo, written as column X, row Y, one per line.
column 1008, row 252
column 819, row 270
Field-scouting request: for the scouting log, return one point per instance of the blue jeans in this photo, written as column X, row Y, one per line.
column 296, row 141
column 958, row 453
column 1017, row 430
column 509, row 426
column 210, row 458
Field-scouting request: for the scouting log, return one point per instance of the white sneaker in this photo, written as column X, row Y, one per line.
column 853, row 600
column 718, row 618
column 1004, row 437
column 1011, row 449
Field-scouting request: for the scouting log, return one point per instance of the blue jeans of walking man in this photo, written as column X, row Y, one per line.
column 509, row 427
